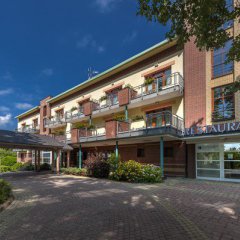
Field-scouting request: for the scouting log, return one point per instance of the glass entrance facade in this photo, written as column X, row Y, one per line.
column 219, row 161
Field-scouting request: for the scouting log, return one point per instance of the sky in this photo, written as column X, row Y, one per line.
column 47, row 46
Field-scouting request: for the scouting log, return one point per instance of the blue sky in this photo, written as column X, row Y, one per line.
column 48, row 45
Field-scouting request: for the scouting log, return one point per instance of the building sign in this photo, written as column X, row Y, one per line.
column 222, row 128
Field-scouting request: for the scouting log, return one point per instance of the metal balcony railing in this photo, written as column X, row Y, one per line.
column 55, row 121
column 98, row 133
column 28, row 129
column 158, row 85
column 161, row 121
column 112, row 100
column 73, row 115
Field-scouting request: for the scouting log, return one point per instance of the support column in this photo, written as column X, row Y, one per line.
column 58, row 161
column 53, row 161
column 80, row 156
column 162, row 155
column 90, row 120
column 116, row 151
column 35, row 160
column 38, row 160
column 68, row 159
column 126, row 113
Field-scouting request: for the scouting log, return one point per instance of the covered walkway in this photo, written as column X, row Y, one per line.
column 19, row 140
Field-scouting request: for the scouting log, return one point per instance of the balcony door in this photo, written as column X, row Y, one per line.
column 113, row 97
column 159, row 118
column 163, row 78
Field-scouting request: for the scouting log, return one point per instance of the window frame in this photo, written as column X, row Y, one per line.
column 221, row 64
column 223, row 97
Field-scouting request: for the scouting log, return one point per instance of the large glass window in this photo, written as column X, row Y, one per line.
column 220, row 67
column 232, row 161
column 164, row 78
column 46, row 157
column 223, row 104
column 208, row 161
column 229, row 6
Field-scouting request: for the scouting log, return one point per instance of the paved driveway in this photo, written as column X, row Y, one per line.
column 63, row 207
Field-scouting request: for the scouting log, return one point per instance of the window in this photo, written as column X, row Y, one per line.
column 46, row 157
column 35, row 122
column 60, row 113
column 229, row 6
column 140, row 152
column 168, row 152
column 223, row 104
column 220, row 67
column 164, row 78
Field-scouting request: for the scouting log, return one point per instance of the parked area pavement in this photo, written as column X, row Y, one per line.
column 48, row 206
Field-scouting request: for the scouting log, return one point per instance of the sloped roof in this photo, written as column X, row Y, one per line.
column 11, row 139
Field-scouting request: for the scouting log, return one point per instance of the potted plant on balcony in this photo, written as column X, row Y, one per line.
column 119, row 117
column 149, row 84
column 137, row 118
column 103, row 100
column 73, row 109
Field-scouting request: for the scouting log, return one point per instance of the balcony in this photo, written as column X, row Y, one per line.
column 161, row 89
column 88, row 135
column 29, row 129
column 109, row 103
column 156, row 124
column 55, row 122
column 74, row 116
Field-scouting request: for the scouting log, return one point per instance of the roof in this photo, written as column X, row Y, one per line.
column 123, row 65
column 28, row 112
column 11, row 139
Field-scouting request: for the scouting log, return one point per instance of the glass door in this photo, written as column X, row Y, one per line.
column 232, row 161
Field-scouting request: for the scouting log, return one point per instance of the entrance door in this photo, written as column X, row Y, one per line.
column 232, row 161
column 220, row 161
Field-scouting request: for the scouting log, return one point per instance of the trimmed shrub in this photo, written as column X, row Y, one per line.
column 113, row 162
column 133, row 171
column 8, row 161
column 5, row 191
column 27, row 167
column 5, row 168
column 97, row 166
column 45, row 166
column 74, row 171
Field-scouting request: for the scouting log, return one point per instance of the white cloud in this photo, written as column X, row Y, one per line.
column 89, row 42
column 6, row 91
column 4, row 109
column 106, row 5
column 7, row 76
column 47, row 72
column 5, row 119
column 23, row 106
column 130, row 37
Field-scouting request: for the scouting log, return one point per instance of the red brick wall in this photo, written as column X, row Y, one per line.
column 191, row 160
column 87, row 108
column 123, row 96
column 111, row 129
column 75, row 135
column 42, row 104
column 195, row 85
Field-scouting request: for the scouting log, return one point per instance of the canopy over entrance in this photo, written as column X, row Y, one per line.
column 17, row 140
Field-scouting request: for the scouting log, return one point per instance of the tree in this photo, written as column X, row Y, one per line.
column 202, row 19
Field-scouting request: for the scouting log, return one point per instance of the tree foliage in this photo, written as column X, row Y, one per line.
column 201, row 19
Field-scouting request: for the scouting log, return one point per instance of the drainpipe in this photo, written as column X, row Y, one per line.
column 162, row 155
column 126, row 113
column 116, row 151
column 80, row 156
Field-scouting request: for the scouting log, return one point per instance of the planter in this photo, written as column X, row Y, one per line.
column 75, row 135
column 87, row 108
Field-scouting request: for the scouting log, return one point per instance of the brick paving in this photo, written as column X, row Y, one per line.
column 63, row 207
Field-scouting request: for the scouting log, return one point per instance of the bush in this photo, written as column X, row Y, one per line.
column 113, row 162
column 5, row 168
column 8, row 161
column 27, row 167
column 16, row 166
column 74, row 171
column 5, row 191
column 133, row 171
column 45, row 166
column 97, row 166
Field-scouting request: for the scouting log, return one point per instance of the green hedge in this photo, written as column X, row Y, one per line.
column 132, row 171
column 8, row 161
column 5, row 191
column 74, row 171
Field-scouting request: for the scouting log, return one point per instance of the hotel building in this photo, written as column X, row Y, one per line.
column 167, row 106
